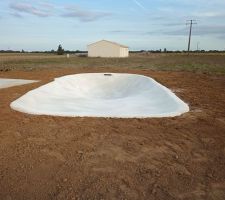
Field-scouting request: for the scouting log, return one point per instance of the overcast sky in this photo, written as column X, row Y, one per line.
column 140, row 24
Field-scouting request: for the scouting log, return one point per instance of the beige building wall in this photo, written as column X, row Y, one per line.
column 107, row 49
column 124, row 52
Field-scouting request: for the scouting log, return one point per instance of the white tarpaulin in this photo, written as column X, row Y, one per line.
column 5, row 83
column 102, row 95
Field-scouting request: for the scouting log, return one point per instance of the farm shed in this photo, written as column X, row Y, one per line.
column 107, row 49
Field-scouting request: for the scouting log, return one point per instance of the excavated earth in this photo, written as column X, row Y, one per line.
column 46, row 157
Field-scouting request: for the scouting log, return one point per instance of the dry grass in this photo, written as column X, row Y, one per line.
column 200, row 63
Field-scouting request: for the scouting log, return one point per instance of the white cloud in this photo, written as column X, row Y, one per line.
column 39, row 11
column 84, row 15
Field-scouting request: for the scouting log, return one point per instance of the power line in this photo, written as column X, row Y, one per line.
column 190, row 22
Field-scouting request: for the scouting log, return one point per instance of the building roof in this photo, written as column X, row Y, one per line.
column 111, row 43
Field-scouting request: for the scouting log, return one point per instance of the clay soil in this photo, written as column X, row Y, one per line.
column 45, row 157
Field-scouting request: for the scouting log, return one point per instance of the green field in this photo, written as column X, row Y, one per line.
column 199, row 63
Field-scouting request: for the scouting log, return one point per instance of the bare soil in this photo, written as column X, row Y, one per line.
column 45, row 157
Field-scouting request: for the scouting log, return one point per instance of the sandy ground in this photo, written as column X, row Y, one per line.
column 44, row 157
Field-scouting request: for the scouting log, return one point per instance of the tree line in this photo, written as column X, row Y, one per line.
column 61, row 51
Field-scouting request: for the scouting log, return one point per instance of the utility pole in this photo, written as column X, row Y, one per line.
column 198, row 46
column 190, row 22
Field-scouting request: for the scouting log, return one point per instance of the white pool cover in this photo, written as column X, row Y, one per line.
column 102, row 95
column 6, row 83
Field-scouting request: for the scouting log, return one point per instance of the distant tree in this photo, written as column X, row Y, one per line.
column 165, row 50
column 22, row 51
column 60, row 50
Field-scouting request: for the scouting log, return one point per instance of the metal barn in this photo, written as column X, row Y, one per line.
column 107, row 49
